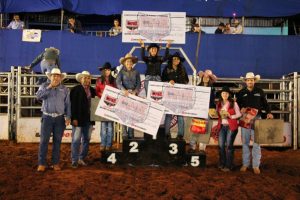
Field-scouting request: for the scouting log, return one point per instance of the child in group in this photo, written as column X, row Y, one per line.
column 106, row 132
column 207, row 78
column 229, row 112
column 153, row 61
column 129, row 81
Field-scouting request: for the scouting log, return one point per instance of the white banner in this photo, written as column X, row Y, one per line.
column 132, row 111
column 157, row 27
column 179, row 99
column 31, row 35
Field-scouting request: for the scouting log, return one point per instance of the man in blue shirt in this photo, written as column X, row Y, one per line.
column 56, row 110
column 16, row 23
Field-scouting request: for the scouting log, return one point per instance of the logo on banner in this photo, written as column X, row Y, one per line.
column 154, row 27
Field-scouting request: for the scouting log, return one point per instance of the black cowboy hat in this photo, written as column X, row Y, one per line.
column 176, row 54
column 226, row 89
column 106, row 65
column 152, row 45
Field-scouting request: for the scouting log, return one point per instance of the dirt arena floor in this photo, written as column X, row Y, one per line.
column 280, row 178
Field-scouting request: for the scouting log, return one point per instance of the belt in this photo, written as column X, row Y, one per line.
column 52, row 114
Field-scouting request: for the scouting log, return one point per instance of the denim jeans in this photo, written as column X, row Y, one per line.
column 150, row 78
column 55, row 125
column 247, row 134
column 180, row 123
column 128, row 132
column 226, row 155
column 80, row 134
column 106, row 133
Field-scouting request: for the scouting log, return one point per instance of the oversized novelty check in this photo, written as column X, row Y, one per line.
column 157, row 27
column 132, row 111
column 179, row 99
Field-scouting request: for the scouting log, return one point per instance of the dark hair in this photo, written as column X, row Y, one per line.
column 210, row 83
column 180, row 68
column 111, row 79
column 230, row 99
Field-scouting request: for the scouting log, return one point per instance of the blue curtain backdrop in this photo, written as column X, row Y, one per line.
column 219, row 8
column 226, row 55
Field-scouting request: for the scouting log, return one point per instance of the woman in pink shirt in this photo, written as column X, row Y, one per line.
column 229, row 112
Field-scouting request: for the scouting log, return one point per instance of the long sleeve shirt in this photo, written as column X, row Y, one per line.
column 237, row 111
column 45, row 66
column 253, row 99
column 55, row 100
column 101, row 86
column 154, row 62
column 129, row 80
column 16, row 25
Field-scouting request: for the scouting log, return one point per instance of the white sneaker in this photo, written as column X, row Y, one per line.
column 81, row 162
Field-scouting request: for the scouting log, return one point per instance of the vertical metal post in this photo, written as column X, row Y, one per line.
column 243, row 24
column 295, row 112
column 61, row 19
column 1, row 20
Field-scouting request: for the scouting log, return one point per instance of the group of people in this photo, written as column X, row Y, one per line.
column 227, row 29
column 61, row 107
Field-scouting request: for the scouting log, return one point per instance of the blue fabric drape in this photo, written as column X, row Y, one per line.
column 226, row 55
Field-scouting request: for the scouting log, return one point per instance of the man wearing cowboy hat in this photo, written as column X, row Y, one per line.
column 237, row 27
column 80, row 113
column 56, row 110
column 252, row 97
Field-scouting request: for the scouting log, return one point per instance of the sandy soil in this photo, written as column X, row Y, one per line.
column 280, row 178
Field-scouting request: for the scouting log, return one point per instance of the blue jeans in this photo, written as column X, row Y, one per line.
column 180, row 123
column 55, row 125
column 150, row 78
column 247, row 134
column 80, row 134
column 127, row 132
column 226, row 155
column 106, row 133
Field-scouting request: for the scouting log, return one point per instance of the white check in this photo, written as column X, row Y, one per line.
column 131, row 111
column 180, row 99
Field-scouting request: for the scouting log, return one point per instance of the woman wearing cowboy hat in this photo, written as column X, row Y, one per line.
column 207, row 78
column 153, row 61
column 228, row 112
column 252, row 97
column 173, row 73
column 106, row 132
column 129, row 81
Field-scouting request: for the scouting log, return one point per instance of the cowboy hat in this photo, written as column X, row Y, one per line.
column 106, row 65
column 128, row 56
column 56, row 71
column 176, row 54
column 250, row 75
column 82, row 74
column 153, row 45
column 208, row 73
column 51, row 53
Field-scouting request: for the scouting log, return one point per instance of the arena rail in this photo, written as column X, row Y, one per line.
column 23, row 110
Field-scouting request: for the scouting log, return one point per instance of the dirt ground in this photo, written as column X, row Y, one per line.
column 280, row 178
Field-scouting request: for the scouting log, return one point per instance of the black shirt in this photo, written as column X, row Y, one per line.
column 253, row 99
column 178, row 76
column 154, row 62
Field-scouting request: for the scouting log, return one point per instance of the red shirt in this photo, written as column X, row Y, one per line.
column 101, row 86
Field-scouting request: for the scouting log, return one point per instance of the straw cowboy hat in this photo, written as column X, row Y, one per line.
column 208, row 73
column 250, row 75
column 82, row 74
column 56, row 71
column 128, row 56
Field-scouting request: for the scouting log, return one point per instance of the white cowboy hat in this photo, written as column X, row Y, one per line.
column 208, row 73
column 82, row 74
column 250, row 75
column 128, row 56
column 56, row 71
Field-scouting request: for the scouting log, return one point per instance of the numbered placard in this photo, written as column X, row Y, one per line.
column 176, row 147
column 111, row 157
column 197, row 159
column 133, row 146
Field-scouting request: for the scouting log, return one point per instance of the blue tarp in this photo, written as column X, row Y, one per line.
column 226, row 55
column 214, row 8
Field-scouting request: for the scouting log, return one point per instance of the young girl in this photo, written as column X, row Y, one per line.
column 129, row 81
column 175, row 73
column 106, row 132
column 228, row 112
column 153, row 61
column 207, row 78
